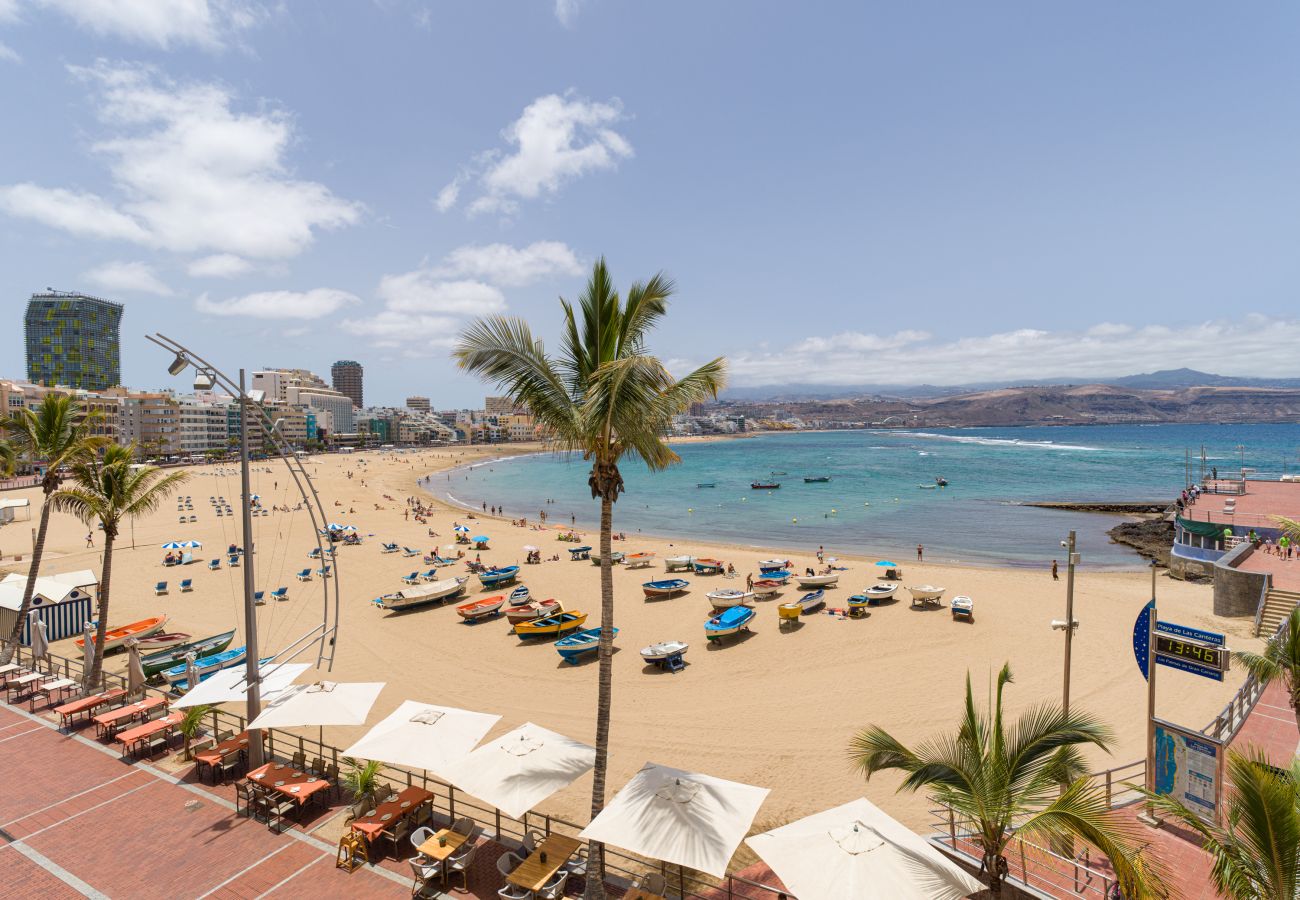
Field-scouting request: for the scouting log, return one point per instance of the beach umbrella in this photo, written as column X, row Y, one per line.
column 481, row 539
column 173, row 545
column 679, row 817
column 191, row 544
column 519, row 770
column 423, row 736
column 229, row 685
column 858, row 850
column 40, row 637
column 191, row 671
column 321, row 703
column 87, row 649
column 134, row 670
column 461, row 529
column 885, row 562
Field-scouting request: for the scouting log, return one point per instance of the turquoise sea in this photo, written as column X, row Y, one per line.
column 874, row 505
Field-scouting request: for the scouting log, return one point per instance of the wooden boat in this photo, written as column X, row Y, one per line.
column 575, row 645
column 729, row 621
column 816, row 479
column 858, row 604
column 780, row 576
column 638, row 560
column 498, row 577
column 165, row 659
column 481, row 609
column 725, row 597
column 116, row 637
column 772, row 565
column 705, row 566
column 666, row 588
column 789, row 612
column 656, row 653
column 162, row 640
column 537, row 609
column 551, row 626
column 206, row 666
column 817, row 581
column 926, row 593
column 766, row 587
column 615, row 557
column 678, row 563
column 963, row 607
column 765, row 485
column 812, row 602
column 519, row 596
column 419, row 595
column 878, row 592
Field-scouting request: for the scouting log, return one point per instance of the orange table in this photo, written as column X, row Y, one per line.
column 133, row 737
column 105, row 723
column 386, row 814
column 215, row 754
column 295, row 784
column 532, row 873
column 69, row 711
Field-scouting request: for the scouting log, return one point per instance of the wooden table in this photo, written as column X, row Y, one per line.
column 532, row 874
column 438, row 852
column 106, row 722
column 373, row 822
column 132, row 737
column 215, row 754
column 641, row 894
column 69, row 711
column 296, row 784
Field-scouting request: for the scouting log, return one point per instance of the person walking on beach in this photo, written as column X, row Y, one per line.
column 90, row 538
column 1056, row 573
column 920, row 553
column 821, row 553
column 749, row 581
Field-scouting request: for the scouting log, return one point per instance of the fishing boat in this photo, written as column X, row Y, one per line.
column 772, row 565
column 788, row 612
column 551, row 626
column 657, row 653
column 780, row 576
column 858, row 604
column 519, row 596
column 162, row 640
column 778, row 472
column 419, row 595
column 926, row 593
column 765, row 485
column 812, row 601
column 165, row 659
column 963, row 607
column 666, row 588
column 206, row 666
column 615, row 557
column 941, row 481
column 878, row 592
column 726, row 597
column 116, row 637
column 817, row 581
column 638, row 560
column 537, row 609
column 678, row 563
column 707, row 484
column 706, row 566
column 497, row 577
column 766, row 587
column 575, row 645
column 481, row 609
column 816, row 479
column 729, row 621
column 928, row 487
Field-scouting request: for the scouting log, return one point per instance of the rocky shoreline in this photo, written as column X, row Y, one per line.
column 1149, row 534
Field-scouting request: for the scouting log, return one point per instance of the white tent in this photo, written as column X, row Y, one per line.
column 519, row 770
column 423, row 736
column 228, row 685
column 679, row 817
column 321, row 703
column 858, row 850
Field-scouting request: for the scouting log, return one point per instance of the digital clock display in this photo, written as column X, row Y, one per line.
column 1192, row 651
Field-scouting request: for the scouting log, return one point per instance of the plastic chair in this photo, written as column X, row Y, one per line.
column 460, row 861
column 187, row 585
column 160, row 588
column 507, row 863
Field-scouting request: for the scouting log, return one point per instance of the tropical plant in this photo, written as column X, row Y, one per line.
column 1024, row 780
column 109, row 491
column 191, row 724
column 1257, row 852
column 361, row 776
column 604, row 396
column 1279, row 661
column 53, row 434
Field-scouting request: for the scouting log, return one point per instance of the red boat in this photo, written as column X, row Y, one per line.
column 481, row 609
column 537, row 609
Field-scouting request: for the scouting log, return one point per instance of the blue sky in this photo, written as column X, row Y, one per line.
column 845, row 192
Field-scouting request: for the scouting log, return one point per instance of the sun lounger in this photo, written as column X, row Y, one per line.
column 280, row 593
column 413, row 578
column 187, row 584
column 259, row 597
column 389, row 548
column 304, row 575
column 233, row 560
column 407, row 551
column 323, row 571
column 313, row 553
column 160, row 588
column 194, row 518
column 214, row 565
column 431, row 575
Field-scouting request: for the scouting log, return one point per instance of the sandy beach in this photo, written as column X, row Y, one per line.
column 772, row 708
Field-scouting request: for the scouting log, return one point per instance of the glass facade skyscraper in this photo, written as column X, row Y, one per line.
column 73, row 340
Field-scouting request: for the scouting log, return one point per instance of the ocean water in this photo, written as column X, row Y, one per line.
column 874, row 504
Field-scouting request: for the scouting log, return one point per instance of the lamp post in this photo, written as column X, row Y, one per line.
column 1070, row 559
column 251, row 657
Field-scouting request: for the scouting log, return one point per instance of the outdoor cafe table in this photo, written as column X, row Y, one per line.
column 141, row 734
column 442, row 845
column 70, row 711
column 295, row 784
column 106, row 722
column 214, row 755
column 532, row 874
column 23, row 680
column 386, row 814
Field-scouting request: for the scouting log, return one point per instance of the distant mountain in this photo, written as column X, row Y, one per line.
column 1177, row 379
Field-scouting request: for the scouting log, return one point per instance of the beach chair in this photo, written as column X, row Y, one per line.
column 314, row 553
column 233, row 560
column 280, row 593
column 304, row 575
column 258, row 597
column 407, row 551
column 389, row 548
column 214, row 565
column 323, row 571
column 431, row 575
column 460, row 861
column 187, row 585
column 413, row 578
column 160, row 588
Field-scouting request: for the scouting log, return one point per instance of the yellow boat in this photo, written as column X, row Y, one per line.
column 551, row 626
column 789, row 612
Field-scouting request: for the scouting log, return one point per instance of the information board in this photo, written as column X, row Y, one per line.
column 1188, row 768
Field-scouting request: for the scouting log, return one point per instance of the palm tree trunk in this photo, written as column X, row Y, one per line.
column 105, row 577
column 38, row 550
column 595, row 888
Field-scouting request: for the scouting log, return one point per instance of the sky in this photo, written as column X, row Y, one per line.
column 843, row 193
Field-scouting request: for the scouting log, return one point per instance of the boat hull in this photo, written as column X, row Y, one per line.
column 659, row 652
column 551, row 626
column 165, row 659
column 767, row 587
column 481, row 609
column 810, row 603
column 499, row 577
column 926, row 594
column 818, row 581
column 206, row 666
column 575, row 646
column 727, row 598
column 728, row 622
column 678, row 563
column 538, row 609
column 656, row 589
column 163, row 641
column 116, row 637
column 520, row 596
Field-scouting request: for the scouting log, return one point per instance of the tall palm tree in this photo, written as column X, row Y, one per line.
column 53, row 434
column 110, row 491
column 604, row 396
column 1257, row 853
column 1026, row 779
column 1280, row 660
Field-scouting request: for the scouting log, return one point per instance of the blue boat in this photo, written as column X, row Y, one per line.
column 811, row 601
column 519, row 596
column 498, row 577
column 779, row 575
column 207, row 666
column 666, row 588
column 578, row 643
column 729, row 621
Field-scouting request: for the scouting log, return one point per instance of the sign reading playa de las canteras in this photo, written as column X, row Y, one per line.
column 1180, row 647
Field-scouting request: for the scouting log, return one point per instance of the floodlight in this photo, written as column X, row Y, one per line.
column 178, row 364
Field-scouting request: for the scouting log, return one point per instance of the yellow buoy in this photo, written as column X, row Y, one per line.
column 690, row 509
column 795, row 521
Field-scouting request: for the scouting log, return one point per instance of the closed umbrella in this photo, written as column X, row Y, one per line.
column 191, row 671
column 87, row 650
column 521, row 769
column 134, row 671
column 40, row 638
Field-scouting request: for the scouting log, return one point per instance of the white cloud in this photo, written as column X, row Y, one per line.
column 209, row 24
column 556, row 140
column 220, row 265
column 511, row 266
column 566, row 11
column 193, row 175
column 1254, row 345
column 420, row 292
column 8, row 11
column 312, row 304
column 135, row 277
column 9, row 54
column 394, row 329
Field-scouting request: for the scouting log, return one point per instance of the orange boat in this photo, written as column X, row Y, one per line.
column 481, row 609
column 116, row 637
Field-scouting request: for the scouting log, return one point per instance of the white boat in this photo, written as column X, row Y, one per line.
column 678, row 563
column 963, row 608
column 765, row 587
column 817, row 581
column 727, row 597
column 878, row 592
column 662, row 650
column 421, row 594
column 771, row 565
column 928, row 487
column 926, row 593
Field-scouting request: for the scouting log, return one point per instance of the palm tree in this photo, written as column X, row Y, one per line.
column 1257, row 854
column 1026, row 780
column 1279, row 661
column 191, row 724
column 110, row 491
column 606, row 397
column 53, row 434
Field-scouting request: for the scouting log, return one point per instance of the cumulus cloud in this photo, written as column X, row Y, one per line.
column 208, row 24
column 313, row 304
column 193, row 174
column 134, row 277
column 9, row 54
column 511, row 266
column 1254, row 345
column 556, row 140
column 421, row 292
column 391, row 329
column 567, row 11
column 219, row 265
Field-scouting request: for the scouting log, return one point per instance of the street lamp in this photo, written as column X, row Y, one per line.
column 1069, row 625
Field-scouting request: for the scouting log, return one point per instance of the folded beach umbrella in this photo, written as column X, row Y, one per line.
column 519, row 770
column 858, row 850
column 134, row 670
column 321, row 703
column 87, row 649
column 679, row 817
column 191, row 670
column 40, row 637
column 423, row 736
column 228, row 685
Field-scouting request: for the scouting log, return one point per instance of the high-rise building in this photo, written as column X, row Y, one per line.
column 418, row 404
column 500, row 406
column 346, row 374
column 72, row 339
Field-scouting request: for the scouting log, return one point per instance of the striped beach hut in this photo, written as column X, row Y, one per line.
column 65, row 602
